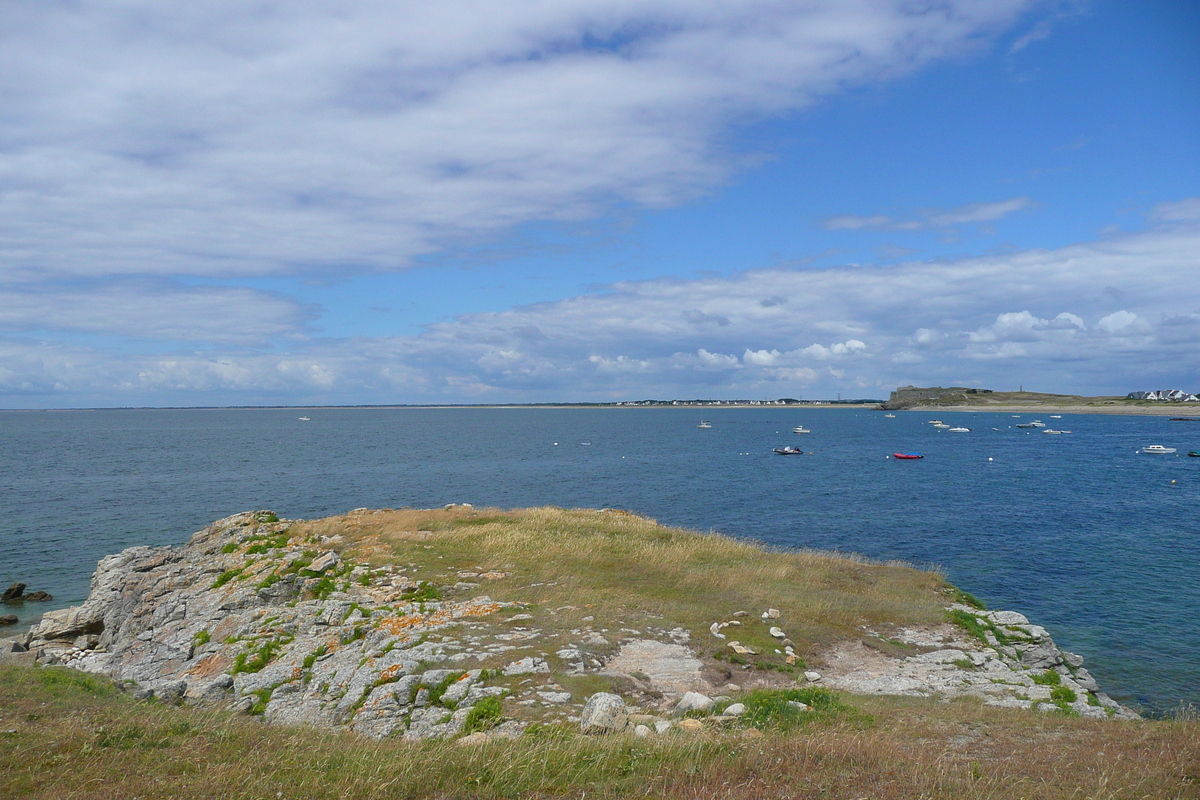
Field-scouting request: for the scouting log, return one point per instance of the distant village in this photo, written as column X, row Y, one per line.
column 1170, row 395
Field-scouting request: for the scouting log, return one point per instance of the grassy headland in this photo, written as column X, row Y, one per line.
column 65, row 734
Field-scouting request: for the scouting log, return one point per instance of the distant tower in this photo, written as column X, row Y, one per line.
column 1022, row 388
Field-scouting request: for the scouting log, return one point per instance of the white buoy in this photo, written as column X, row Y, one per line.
column 989, row 458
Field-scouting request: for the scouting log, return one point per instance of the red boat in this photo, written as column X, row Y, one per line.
column 907, row 455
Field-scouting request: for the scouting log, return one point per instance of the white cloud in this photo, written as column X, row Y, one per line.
column 226, row 138
column 932, row 218
column 1098, row 317
column 155, row 310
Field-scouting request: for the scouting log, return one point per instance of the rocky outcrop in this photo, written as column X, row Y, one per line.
column 249, row 615
column 244, row 616
column 998, row 656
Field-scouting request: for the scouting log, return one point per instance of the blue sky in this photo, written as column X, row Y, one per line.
column 399, row 204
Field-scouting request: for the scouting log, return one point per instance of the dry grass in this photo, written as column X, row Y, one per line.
column 622, row 567
column 67, row 735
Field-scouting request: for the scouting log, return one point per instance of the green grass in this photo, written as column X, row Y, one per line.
column 486, row 714
column 1048, row 678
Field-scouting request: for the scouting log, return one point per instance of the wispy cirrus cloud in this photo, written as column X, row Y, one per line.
column 931, row 219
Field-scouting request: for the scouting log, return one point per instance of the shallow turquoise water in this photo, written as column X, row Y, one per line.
column 1080, row 532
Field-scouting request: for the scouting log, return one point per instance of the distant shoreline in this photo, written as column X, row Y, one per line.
column 1140, row 411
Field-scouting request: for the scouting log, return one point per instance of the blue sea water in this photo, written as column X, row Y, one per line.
column 1085, row 535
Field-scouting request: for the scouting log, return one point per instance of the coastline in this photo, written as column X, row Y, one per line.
column 1028, row 408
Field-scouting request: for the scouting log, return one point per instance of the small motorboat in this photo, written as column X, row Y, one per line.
column 907, row 456
column 890, row 416
column 936, row 422
column 960, row 430
column 305, row 419
column 1056, row 416
column 1037, row 423
column 941, row 425
column 1193, row 454
column 704, row 424
column 789, row 451
column 801, row 429
column 1158, row 449
column 1026, row 425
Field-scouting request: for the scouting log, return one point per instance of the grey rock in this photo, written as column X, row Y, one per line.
column 527, row 666
column 641, row 731
column 736, row 710
column 8, row 619
column 325, row 561
column 604, row 713
column 693, row 701
column 13, row 592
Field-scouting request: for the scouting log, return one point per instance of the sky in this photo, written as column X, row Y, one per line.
column 260, row 203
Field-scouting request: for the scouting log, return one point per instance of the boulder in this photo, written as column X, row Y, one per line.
column 67, row 623
column 736, row 710
column 691, row 725
column 603, row 713
column 778, row 633
column 8, row 619
column 13, row 592
column 37, row 597
column 641, row 731
column 324, row 561
column 812, row 677
column 694, row 701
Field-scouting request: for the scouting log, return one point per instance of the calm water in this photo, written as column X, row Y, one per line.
column 1079, row 532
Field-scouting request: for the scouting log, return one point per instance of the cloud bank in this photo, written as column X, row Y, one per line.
column 1082, row 318
column 234, row 139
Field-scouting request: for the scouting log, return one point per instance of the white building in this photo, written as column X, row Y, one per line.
column 1170, row 395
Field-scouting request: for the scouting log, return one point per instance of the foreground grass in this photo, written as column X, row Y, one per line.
column 69, row 735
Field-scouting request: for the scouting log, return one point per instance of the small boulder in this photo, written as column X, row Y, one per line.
column 8, row 619
column 324, row 561
column 777, row 633
column 603, row 713
column 690, row 725
column 13, row 592
column 694, row 701
column 37, row 597
column 641, row 731
column 812, row 676
column 736, row 710
column 771, row 613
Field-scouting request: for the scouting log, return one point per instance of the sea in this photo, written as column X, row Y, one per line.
column 1083, row 533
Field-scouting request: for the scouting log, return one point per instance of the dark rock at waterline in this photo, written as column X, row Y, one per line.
column 37, row 597
column 8, row 619
column 13, row 592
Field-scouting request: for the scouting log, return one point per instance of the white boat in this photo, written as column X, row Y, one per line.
column 305, row 419
column 704, row 424
column 940, row 425
column 890, row 416
column 960, row 430
column 1056, row 416
column 936, row 422
column 801, row 429
column 1158, row 449
column 1037, row 423
column 1053, row 432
